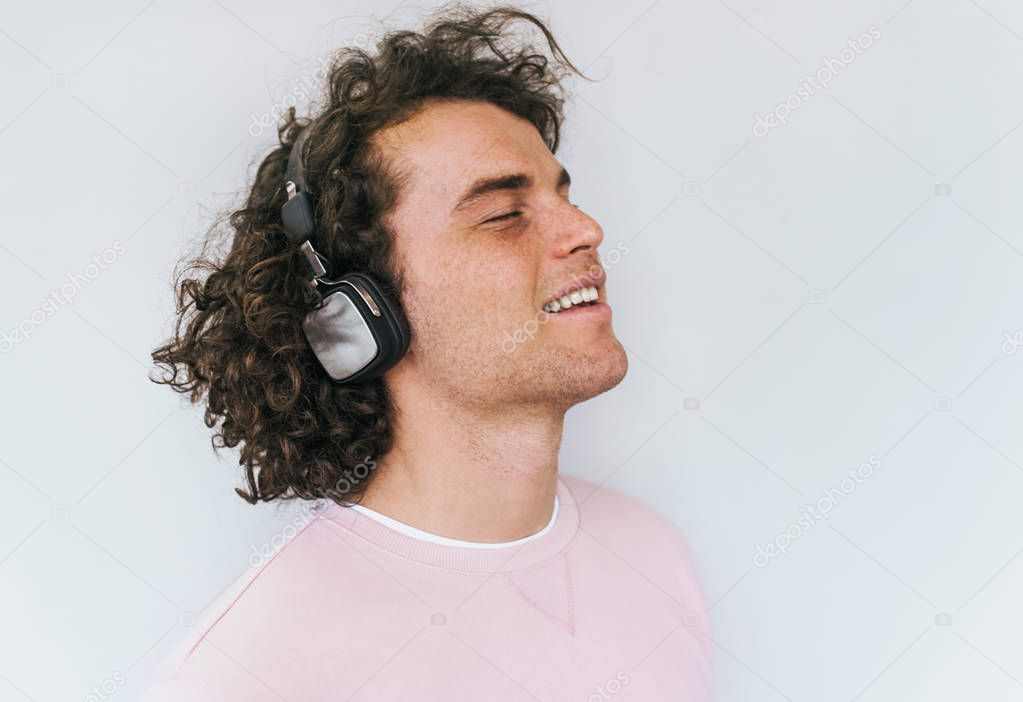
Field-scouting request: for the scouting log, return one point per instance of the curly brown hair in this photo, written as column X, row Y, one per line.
column 238, row 338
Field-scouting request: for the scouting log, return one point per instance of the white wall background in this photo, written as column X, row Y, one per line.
column 847, row 286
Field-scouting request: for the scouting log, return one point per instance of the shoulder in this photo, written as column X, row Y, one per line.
column 608, row 510
column 292, row 583
column 641, row 536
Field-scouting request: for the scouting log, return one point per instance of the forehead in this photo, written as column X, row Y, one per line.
column 448, row 145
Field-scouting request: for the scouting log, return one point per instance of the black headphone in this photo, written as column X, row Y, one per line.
column 357, row 331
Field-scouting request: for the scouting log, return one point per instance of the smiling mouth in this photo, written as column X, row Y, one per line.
column 577, row 298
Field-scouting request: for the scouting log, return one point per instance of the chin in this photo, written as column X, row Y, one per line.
column 614, row 365
column 581, row 376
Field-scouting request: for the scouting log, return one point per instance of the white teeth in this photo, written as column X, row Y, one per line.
column 576, row 297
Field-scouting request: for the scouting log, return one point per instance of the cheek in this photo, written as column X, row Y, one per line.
column 470, row 301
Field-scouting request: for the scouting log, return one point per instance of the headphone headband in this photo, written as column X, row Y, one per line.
column 295, row 172
column 298, row 214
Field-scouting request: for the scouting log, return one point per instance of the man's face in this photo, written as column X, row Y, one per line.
column 479, row 271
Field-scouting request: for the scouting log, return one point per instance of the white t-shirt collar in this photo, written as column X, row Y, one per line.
column 415, row 533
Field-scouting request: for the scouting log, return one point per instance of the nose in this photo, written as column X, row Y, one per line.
column 576, row 231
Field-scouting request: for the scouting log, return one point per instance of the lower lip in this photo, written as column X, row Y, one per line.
column 593, row 311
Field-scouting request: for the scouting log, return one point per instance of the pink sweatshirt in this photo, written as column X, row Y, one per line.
column 603, row 604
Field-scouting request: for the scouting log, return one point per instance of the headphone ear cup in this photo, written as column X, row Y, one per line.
column 399, row 335
column 357, row 332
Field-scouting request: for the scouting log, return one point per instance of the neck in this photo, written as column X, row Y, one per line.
column 487, row 475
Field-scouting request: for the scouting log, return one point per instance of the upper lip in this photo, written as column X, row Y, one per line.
column 591, row 278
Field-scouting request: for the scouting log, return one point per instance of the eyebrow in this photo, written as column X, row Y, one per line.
column 511, row 181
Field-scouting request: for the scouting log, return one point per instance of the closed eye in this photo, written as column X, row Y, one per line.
column 513, row 214
column 503, row 217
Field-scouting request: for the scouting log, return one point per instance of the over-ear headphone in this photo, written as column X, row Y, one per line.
column 357, row 331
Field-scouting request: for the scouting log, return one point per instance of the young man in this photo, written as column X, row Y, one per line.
column 447, row 558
